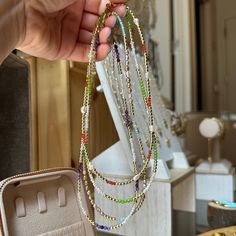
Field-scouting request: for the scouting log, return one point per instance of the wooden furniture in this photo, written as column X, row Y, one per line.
column 56, row 98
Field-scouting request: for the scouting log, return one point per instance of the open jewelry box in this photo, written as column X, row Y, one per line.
column 43, row 203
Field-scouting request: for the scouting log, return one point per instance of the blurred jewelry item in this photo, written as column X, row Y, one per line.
column 178, row 123
column 211, row 128
column 225, row 203
column 162, row 118
column 221, row 213
column 219, row 234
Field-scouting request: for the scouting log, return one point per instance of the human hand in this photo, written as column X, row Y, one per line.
column 62, row 29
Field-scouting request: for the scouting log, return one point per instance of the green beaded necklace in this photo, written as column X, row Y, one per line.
column 85, row 166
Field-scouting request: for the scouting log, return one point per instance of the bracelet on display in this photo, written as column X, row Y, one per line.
column 225, row 203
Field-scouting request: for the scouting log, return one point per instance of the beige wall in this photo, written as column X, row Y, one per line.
column 183, row 66
column 162, row 34
column 183, row 49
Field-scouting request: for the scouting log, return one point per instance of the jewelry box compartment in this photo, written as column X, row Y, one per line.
column 43, row 204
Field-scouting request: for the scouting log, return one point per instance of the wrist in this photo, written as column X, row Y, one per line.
column 12, row 25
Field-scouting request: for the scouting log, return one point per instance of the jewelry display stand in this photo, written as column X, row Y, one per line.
column 212, row 129
column 215, row 178
column 174, row 184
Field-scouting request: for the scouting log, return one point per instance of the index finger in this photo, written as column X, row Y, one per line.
column 98, row 6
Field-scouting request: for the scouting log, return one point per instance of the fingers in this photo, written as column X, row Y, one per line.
column 89, row 21
column 104, row 35
column 85, row 36
column 121, row 10
column 98, row 6
column 102, row 51
column 81, row 51
column 119, row 1
column 94, row 6
column 110, row 21
column 104, row 47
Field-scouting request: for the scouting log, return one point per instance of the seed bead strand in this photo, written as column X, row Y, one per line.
column 134, row 126
column 127, row 76
column 88, row 86
column 129, row 86
column 145, row 166
column 131, row 180
column 122, row 201
column 98, row 226
column 99, row 210
column 131, row 20
column 135, row 177
column 125, row 112
column 133, row 123
column 130, row 199
column 118, row 67
column 112, row 77
column 125, row 220
column 148, row 99
column 84, row 141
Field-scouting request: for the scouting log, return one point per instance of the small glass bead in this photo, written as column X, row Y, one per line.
column 137, row 186
column 151, row 128
column 136, row 177
column 136, row 21
column 83, row 109
column 90, row 166
column 121, row 219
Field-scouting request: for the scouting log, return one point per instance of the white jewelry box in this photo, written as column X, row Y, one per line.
column 43, row 203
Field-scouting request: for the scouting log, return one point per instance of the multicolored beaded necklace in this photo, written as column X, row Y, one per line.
column 128, row 113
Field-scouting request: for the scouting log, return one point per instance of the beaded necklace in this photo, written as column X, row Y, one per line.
column 140, row 118
column 85, row 166
column 162, row 121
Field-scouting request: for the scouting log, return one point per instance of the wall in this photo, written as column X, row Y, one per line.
column 183, row 50
column 162, row 34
